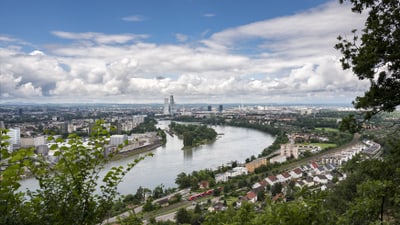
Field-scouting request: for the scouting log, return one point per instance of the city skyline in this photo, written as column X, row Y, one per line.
column 209, row 52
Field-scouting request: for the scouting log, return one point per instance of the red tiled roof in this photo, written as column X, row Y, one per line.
column 272, row 178
column 251, row 195
column 263, row 183
column 297, row 171
column 286, row 174
column 314, row 165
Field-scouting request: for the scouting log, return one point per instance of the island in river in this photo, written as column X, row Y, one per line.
column 193, row 135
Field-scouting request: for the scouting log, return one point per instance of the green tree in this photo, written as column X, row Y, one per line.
column 131, row 219
column 148, row 206
column 12, row 164
column 183, row 180
column 70, row 192
column 375, row 55
column 182, row 216
column 158, row 192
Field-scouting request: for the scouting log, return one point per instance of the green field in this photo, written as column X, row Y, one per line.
column 322, row 145
column 327, row 129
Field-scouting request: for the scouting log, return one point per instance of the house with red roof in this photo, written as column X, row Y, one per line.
column 296, row 173
column 251, row 196
column 271, row 180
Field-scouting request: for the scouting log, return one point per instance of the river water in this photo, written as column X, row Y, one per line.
column 168, row 161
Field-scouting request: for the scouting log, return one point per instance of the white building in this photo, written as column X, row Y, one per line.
column 15, row 138
column 237, row 171
column 116, row 140
column 278, row 159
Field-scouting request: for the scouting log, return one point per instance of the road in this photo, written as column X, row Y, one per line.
column 138, row 209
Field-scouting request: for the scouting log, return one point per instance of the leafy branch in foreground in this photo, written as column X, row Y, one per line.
column 375, row 55
column 71, row 191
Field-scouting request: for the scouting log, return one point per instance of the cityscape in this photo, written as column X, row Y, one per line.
column 183, row 112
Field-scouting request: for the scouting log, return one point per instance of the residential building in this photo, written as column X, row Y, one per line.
column 251, row 166
column 289, row 150
column 116, row 140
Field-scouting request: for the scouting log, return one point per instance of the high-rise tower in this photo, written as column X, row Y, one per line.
column 171, row 105
column 166, row 106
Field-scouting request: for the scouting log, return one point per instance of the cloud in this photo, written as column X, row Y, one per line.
column 134, row 18
column 181, row 37
column 286, row 59
column 100, row 38
column 314, row 28
column 209, row 15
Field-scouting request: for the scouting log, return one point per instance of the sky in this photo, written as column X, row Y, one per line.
column 200, row 51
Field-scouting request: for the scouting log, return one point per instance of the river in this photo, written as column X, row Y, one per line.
column 168, row 161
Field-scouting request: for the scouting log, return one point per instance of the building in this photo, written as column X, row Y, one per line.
column 171, row 105
column 278, row 159
column 290, row 150
column 166, row 106
column 15, row 138
column 220, row 108
column 237, row 171
column 116, row 140
column 251, row 166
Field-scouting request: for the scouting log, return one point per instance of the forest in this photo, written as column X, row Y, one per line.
column 193, row 135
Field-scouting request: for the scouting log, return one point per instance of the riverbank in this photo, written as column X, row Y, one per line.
column 169, row 160
column 136, row 151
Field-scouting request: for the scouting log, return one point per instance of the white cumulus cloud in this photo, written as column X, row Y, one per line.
column 288, row 59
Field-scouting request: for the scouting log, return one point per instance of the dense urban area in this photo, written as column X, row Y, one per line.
column 310, row 161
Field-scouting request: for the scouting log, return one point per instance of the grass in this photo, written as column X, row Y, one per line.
column 327, row 129
column 322, row 145
column 325, row 145
column 231, row 200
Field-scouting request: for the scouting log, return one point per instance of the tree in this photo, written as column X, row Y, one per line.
column 70, row 192
column 158, row 192
column 276, row 189
column 182, row 216
column 148, row 206
column 375, row 55
column 183, row 180
column 12, row 164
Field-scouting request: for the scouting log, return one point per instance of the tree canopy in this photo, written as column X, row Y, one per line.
column 71, row 190
column 375, row 55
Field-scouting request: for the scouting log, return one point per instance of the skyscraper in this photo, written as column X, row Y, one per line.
column 166, row 110
column 171, row 105
column 221, row 108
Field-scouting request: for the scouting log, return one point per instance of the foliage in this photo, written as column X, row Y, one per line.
column 281, row 138
column 194, row 135
column 131, row 219
column 350, row 123
column 375, row 55
column 12, row 164
column 149, row 125
column 182, row 216
column 261, row 127
column 184, row 180
column 71, row 191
